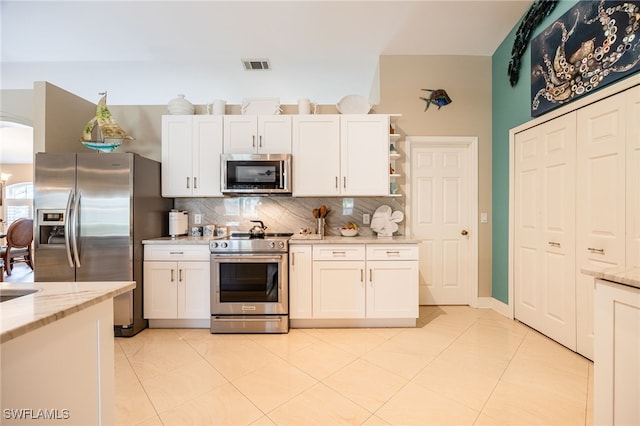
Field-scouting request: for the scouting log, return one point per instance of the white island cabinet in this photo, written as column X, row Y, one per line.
column 57, row 346
column 177, row 285
column 617, row 351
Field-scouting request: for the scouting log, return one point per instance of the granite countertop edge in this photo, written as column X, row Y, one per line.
column 626, row 276
column 295, row 239
column 52, row 302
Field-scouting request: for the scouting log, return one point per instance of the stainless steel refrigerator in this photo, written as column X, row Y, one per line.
column 92, row 212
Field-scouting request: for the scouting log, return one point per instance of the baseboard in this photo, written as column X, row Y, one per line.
column 501, row 308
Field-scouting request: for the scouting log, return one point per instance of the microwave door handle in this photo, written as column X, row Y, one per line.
column 67, row 228
column 74, row 229
column 282, row 174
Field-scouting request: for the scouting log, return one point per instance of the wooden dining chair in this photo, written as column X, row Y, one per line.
column 19, row 239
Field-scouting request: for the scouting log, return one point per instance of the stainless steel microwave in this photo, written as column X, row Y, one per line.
column 255, row 174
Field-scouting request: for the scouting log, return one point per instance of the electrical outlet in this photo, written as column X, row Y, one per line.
column 197, row 218
column 366, row 218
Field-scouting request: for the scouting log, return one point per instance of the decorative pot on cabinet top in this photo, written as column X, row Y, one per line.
column 180, row 106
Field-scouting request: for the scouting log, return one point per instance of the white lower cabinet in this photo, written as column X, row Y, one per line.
column 338, row 289
column 300, row 273
column 392, row 281
column 617, row 355
column 354, row 282
column 176, row 282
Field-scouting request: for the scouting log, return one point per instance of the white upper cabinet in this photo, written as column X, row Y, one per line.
column 257, row 134
column 364, row 160
column 341, row 155
column 191, row 148
column 316, row 155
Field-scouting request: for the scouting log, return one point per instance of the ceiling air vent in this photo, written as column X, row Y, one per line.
column 256, row 64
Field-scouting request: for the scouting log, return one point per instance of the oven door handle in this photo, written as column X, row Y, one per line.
column 247, row 319
column 247, row 257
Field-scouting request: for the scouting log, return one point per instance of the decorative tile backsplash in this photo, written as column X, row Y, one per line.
column 286, row 214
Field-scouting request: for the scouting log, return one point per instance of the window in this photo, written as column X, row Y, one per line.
column 19, row 201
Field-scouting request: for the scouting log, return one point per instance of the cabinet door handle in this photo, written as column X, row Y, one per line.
column 293, row 259
column 180, row 275
column 253, row 141
column 393, row 253
column 596, row 250
column 188, row 182
column 176, row 252
column 195, row 182
column 362, row 276
column 344, row 182
column 339, row 253
column 336, row 182
column 371, row 276
column 260, row 141
column 553, row 244
column 172, row 277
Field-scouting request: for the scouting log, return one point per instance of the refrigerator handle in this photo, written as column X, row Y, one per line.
column 67, row 227
column 74, row 229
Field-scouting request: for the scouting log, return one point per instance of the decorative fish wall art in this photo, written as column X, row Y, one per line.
column 438, row 97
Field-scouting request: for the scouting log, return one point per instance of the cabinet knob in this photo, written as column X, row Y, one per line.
column 464, row 232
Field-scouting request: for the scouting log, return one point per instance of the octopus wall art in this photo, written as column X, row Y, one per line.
column 594, row 44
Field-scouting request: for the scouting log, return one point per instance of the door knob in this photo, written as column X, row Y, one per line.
column 464, row 232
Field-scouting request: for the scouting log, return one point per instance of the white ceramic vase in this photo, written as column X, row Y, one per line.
column 180, row 106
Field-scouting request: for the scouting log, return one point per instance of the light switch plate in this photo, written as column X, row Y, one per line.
column 484, row 218
column 197, row 218
column 366, row 218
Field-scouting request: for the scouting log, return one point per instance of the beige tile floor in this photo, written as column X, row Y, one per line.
column 460, row 366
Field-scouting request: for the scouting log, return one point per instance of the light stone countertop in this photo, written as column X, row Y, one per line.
column 181, row 240
column 295, row 239
column 52, row 301
column 337, row 239
column 625, row 276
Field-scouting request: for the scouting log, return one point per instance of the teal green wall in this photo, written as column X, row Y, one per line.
column 510, row 108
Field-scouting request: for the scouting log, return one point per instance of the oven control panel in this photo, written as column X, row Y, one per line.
column 254, row 245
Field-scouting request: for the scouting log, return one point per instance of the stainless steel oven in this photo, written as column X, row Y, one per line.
column 250, row 284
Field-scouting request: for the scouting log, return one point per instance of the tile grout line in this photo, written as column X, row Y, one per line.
column 480, row 412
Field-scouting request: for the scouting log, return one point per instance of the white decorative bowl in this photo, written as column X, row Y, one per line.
column 354, row 104
column 348, row 232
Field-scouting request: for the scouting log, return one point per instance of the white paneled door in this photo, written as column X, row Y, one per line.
column 441, row 219
column 544, row 223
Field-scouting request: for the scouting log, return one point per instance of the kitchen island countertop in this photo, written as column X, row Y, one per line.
column 52, row 302
column 625, row 276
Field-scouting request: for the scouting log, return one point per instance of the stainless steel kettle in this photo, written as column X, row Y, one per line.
column 257, row 231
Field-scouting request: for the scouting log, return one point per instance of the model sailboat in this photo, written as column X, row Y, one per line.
column 102, row 133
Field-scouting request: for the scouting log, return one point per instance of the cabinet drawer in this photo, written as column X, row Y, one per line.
column 177, row 252
column 338, row 252
column 392, row 252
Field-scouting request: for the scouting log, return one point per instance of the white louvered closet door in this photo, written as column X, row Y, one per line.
column 544, row 252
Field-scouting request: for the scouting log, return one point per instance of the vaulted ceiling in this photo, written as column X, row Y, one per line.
column 145, row 52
